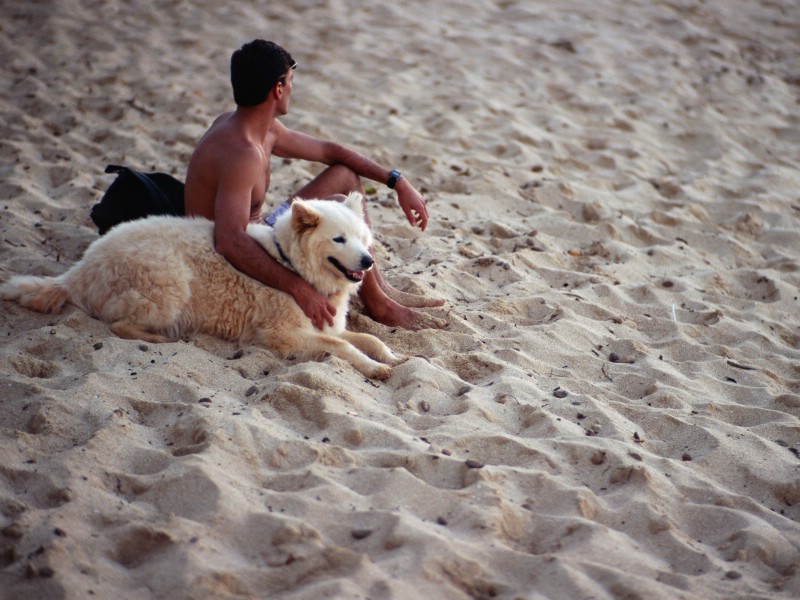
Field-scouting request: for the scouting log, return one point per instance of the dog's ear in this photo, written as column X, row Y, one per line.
column 304, row 218
column 355, row 202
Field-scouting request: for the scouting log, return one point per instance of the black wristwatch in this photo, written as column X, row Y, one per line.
column 394, row 177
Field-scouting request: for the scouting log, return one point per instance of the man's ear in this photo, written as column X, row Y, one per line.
column 304, row 218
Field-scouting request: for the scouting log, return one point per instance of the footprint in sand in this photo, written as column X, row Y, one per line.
column 34, row 489
column 475, row 366
column 60, row 175
column 139, row 544
column 758, row 287
column 30, row 366
column 185, row 490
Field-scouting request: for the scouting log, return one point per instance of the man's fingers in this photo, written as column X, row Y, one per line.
column 416, row 217
column 422, row 219
column 328, row 314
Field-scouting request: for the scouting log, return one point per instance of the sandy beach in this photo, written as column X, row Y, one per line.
column 612, row 409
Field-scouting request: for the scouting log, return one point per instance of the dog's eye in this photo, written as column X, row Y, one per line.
column 340, row 239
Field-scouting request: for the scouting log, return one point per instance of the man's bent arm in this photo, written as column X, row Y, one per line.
column 231, row 217
column 247, row 256
column 293, row 144
column 410, row 199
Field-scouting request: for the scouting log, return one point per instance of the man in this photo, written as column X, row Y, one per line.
column 229, row 174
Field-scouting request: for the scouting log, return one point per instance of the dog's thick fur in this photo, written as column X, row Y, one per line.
column 160, row 279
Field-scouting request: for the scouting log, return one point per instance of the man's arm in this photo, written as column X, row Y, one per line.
column 231, row 217
column 293, row 144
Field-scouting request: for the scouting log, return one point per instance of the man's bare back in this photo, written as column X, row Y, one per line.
column 226, row 143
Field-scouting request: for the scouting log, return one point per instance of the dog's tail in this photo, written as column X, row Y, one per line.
column 42, row 294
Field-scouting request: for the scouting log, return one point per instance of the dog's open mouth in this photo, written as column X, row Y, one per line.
column 354, row 276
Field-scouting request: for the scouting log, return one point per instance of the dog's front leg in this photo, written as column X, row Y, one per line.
column 318, row 343
column 373, row 347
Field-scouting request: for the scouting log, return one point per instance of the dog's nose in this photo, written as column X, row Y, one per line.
column 366, row 262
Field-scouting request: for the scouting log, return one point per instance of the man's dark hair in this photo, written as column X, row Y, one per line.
column 255, row 69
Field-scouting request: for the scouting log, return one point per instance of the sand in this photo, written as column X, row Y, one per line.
column 612, row 410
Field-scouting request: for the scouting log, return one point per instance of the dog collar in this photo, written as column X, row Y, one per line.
column 281, row 253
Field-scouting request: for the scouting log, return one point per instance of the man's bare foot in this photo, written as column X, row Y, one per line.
column 390, row 313
column 412, row 300
column 405, row 298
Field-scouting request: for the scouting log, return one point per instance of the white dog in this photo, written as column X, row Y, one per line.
column 160, row 279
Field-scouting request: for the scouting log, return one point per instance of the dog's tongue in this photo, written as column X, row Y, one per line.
column 356, row 274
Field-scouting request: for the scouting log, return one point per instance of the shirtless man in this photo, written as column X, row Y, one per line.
column 229, row 173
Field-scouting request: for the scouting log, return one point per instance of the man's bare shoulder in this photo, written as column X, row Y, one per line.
column 223, row 131
column 224, row 158
column 225, row 142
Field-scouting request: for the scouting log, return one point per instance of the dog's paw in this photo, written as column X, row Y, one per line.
column 382, row 372
column 396, row 359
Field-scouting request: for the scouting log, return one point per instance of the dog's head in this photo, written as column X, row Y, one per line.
column 332, row 242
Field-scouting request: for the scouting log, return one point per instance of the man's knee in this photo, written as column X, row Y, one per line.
column 348, row 179
column 336, row 179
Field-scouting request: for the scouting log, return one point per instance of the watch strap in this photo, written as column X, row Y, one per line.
column 394, row 177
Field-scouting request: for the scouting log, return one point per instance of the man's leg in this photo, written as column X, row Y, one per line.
column 381, row 302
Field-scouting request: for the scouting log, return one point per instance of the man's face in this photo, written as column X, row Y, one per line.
column 285, row 89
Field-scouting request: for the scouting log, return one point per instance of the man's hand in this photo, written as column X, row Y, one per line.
column 413, row 204
column 315, row 306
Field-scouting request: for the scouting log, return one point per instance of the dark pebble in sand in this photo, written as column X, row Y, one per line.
column 360, row 534
column 14, row 531
column 599, row 457
column 616, row 358
column 559, row 393
column 251, row 390
column 474, row 464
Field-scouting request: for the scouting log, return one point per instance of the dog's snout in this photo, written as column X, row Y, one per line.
column 366, row 262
